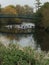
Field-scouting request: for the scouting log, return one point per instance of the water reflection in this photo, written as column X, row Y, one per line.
column 23, row 40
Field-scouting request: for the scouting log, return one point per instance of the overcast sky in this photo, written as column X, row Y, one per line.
column 21, row 2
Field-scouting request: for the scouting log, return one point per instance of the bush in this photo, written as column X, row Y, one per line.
column 13, row 55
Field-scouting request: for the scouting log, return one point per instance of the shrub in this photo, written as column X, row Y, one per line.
column 13, row 55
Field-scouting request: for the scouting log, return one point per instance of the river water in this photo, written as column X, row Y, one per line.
column 23, row 40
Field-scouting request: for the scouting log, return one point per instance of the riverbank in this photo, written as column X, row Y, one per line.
column 13, row 54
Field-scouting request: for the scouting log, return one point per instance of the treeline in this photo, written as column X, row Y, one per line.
column 17, row 10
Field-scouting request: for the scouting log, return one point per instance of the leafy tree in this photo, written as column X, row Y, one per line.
column 42, row 27
column 24, row 10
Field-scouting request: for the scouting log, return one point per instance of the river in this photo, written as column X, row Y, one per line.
column 23, row 40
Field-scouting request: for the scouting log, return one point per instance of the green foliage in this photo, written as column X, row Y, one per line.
column 11, row 55
column 44, row 10
column 42, row 26
column 17, row 10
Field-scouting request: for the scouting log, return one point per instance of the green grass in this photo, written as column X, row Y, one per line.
column 13, row 54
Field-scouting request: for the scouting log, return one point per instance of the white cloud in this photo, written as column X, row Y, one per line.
column 21, row 2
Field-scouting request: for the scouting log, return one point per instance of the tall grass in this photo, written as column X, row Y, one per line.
column 14, row 54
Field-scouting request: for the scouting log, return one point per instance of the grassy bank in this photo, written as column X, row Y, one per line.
column 13, row 54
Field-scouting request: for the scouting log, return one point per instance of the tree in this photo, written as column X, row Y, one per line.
column 24, row 10
column 45, row 13
column 38, row 4
column 0, row 7
column 42, row 27
column 9, row 10
column 28, row 10
column 0, row 13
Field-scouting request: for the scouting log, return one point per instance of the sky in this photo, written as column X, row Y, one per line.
column 21, row 2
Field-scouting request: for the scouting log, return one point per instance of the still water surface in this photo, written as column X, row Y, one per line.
column 23, row 40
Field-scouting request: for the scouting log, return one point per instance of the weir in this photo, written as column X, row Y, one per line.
column 13, row 30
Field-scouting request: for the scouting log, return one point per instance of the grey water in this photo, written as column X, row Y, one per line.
column 23, row 40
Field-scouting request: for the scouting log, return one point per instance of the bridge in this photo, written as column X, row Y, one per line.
column 13, row 30
column 18, row 16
